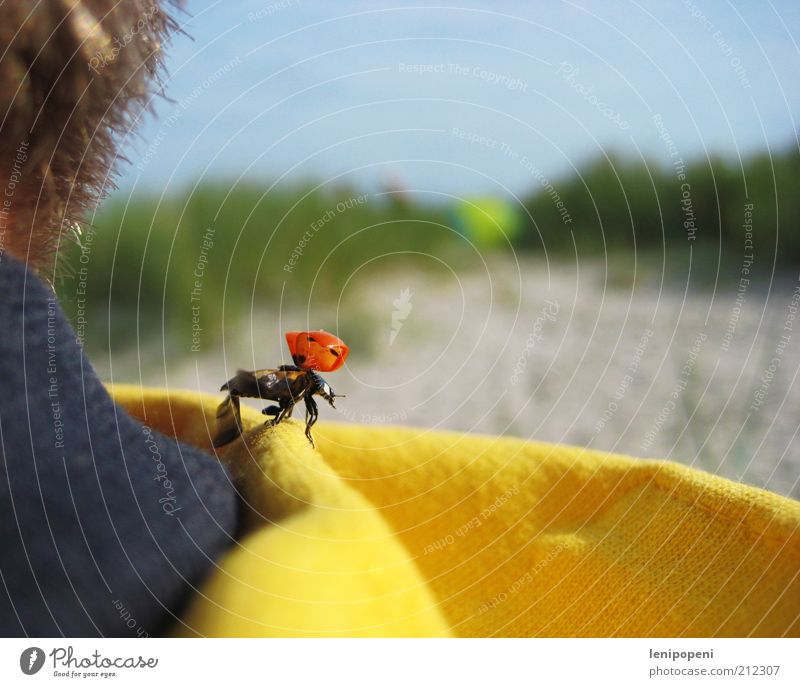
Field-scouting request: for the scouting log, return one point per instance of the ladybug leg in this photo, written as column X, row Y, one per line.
column 271, row 410
column 274, row 412
column 279, row 412
column 312, row 413
column 286, row 408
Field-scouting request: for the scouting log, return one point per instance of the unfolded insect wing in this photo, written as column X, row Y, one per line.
column 229, row 421
column 245, row 383
column 274, row 383
column 317, row 350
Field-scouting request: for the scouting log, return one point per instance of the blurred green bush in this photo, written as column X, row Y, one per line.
column 617, row 206
column 144, row 261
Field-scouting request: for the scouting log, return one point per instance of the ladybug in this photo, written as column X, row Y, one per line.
column 312, row 352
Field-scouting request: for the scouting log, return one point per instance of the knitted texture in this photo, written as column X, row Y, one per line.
column 508, row 537
column 105, row 524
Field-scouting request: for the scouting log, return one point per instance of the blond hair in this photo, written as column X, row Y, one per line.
column 74, row 78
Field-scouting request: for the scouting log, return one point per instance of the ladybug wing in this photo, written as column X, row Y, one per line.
column 270, row 384
column 229, row 421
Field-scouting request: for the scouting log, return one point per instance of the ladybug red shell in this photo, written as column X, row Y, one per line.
column 317, row 350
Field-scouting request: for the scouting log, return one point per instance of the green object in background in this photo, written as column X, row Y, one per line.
column 488, row 222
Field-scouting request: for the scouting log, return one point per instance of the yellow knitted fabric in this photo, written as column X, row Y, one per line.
column 407, row 532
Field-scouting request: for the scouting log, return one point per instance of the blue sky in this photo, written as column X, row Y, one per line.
column 478, row 97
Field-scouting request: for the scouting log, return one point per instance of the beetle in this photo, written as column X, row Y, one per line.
column 287, row 385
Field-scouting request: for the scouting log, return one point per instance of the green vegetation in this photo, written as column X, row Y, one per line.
column 229, row 252
column 243, row 248
column 622, row 206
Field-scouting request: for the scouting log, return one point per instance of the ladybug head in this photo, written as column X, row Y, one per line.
column 317, row 350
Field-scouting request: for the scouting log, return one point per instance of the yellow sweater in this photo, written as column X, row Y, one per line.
column 388, row 531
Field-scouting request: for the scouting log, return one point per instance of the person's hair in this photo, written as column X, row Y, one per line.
column 74, row 77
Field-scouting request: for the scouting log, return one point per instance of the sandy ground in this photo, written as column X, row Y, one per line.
column 688, row 374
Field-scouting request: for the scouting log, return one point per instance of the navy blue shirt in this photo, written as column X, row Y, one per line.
column 105, row 525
